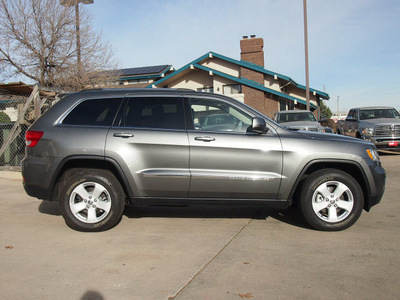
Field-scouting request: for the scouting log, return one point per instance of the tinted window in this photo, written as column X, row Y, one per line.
column 154, row 112
column 96, row 112
column 214, row 115
column 353, row 114
column 378, row 113
column 295, row 117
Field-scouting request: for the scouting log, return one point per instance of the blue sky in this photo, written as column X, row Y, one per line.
column 354, row 46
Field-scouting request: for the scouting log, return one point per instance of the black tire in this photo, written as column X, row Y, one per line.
column 331, row 200
column 91, row 200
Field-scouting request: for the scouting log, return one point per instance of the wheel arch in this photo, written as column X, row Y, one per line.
column 93, row 162
column 350, row 167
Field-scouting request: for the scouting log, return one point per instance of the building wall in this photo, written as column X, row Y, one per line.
column 222, row 66
column 271, row 83
column 193, row 80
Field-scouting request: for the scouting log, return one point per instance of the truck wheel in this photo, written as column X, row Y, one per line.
column 331, row 200
column 91, row 200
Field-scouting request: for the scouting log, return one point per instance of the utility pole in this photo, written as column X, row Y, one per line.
column 338, row 105
column 306, row 54
column 69, row 3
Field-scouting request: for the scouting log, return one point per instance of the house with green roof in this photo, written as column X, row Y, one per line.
column 245, row 80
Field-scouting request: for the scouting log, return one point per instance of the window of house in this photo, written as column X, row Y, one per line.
column 95, row 112
column 286, row 104
column 206, row 89
column 154, row 112
column 215, row 115
column 232, row 89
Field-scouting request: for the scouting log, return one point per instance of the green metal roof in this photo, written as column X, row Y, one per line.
column 245, row 81
column 252, row 84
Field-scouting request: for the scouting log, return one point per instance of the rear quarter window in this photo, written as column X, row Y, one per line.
column 94, row 112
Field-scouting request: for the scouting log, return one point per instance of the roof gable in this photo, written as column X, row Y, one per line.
column 197, row 64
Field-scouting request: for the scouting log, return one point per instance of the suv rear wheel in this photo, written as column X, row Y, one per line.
column 91, row 199
column 331, row 200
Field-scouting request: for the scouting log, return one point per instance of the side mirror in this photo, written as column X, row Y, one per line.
column 259, row 126
column 323, row 120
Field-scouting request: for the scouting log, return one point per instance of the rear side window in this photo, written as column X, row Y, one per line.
column 94, row 112
column 154, row 112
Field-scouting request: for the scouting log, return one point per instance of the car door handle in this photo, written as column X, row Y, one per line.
column 204, row 138
column 123, row 135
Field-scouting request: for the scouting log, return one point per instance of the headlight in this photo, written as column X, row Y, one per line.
column 368, row 131
column 373, row 154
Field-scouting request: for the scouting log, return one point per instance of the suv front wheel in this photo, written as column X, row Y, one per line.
column 331, row 200
column 91, row 199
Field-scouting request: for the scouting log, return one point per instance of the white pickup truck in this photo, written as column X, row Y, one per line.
column 379, row 125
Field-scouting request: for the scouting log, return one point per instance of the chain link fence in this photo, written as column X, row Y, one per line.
column 17, row 113
column 9, row 112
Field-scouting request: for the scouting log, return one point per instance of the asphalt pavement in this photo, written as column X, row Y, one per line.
column 198, row 252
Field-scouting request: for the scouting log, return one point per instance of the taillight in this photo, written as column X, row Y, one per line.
column 32, row 137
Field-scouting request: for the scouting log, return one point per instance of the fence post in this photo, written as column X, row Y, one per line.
column 37, row 106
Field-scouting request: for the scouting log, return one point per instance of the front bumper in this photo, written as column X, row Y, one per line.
column 384, row 143
column 377, row 182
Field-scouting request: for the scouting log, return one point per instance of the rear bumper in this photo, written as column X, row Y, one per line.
column 37, row 173
column 38, row 192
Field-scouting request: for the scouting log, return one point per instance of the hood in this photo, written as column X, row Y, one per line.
column 301, row 125
column 332, row 137
column 383, row 121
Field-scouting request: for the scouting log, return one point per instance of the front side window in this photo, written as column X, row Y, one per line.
column 154, row 112
column 215, row 115
column 352, row 114
column 94, row 112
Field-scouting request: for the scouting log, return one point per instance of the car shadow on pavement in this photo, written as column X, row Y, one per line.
column 289, row 216
column 388, row 153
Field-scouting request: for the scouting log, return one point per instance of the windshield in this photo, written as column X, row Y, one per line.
column 379, row 113
column 295, row 117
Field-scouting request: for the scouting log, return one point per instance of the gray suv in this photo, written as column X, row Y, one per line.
column 96, row 151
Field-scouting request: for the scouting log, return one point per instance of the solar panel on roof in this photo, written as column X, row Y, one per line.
column 142, row 70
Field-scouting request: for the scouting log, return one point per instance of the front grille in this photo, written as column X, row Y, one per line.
column 387, row 130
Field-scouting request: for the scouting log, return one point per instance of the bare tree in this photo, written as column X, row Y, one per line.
column 37, row 40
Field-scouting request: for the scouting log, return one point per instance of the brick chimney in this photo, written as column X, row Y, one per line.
column 252, row 50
